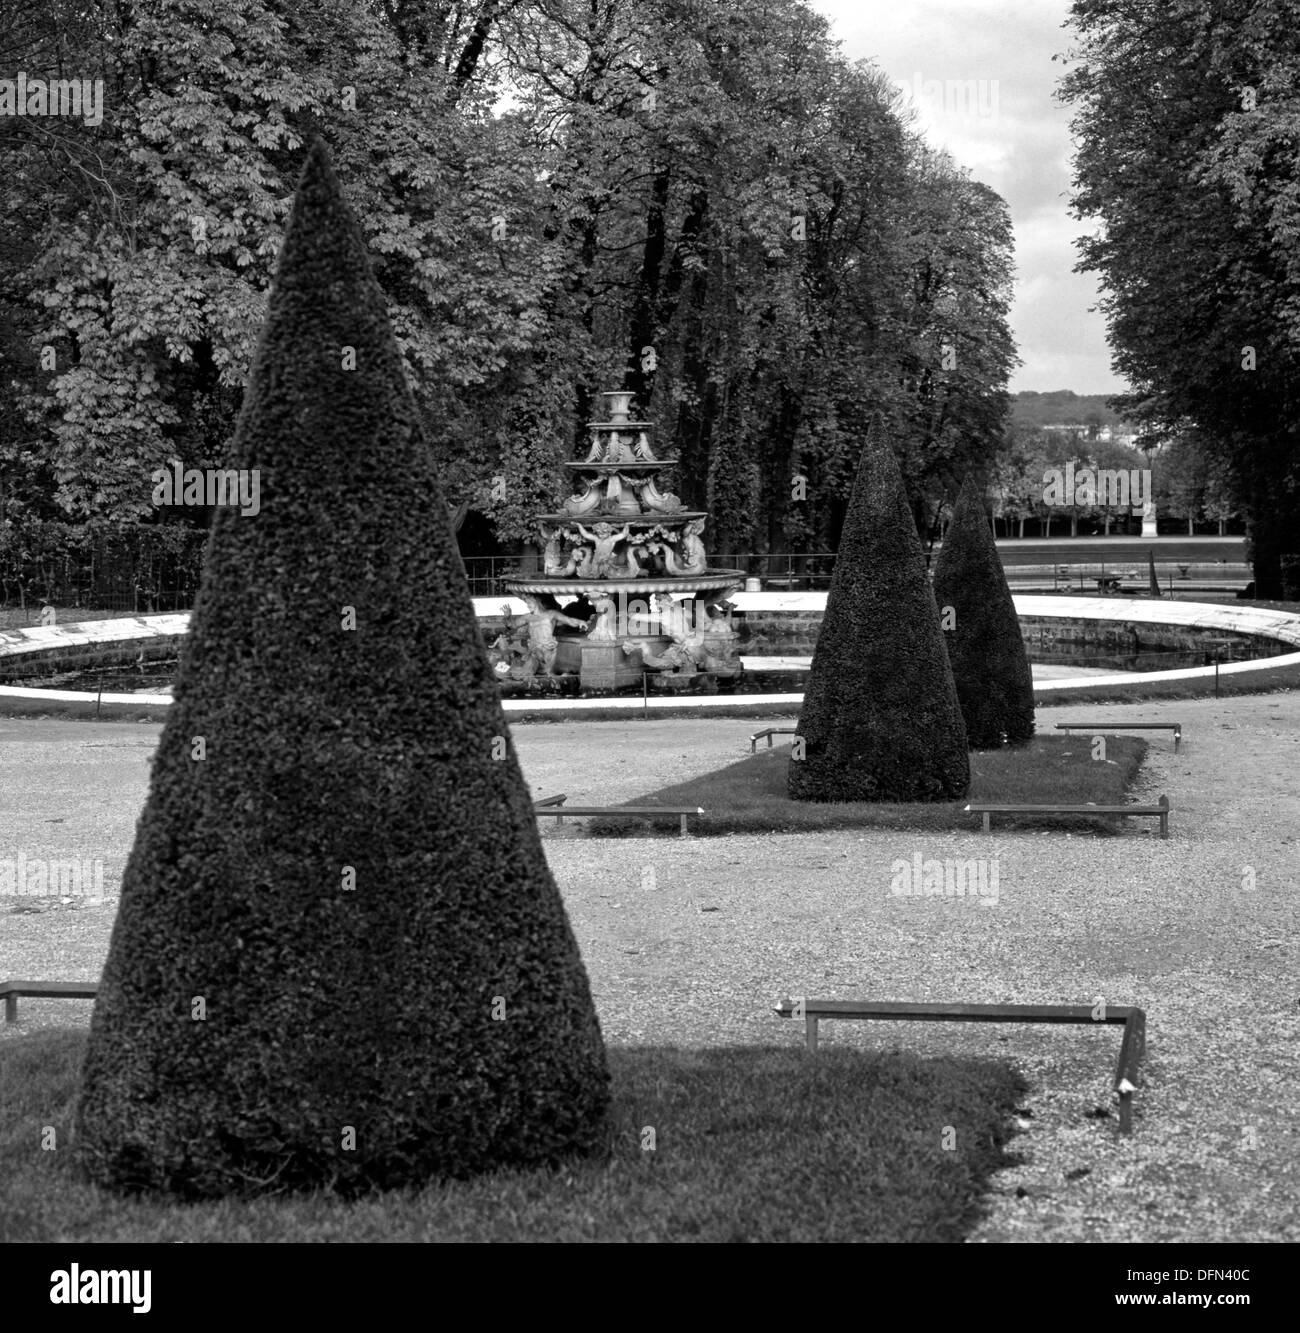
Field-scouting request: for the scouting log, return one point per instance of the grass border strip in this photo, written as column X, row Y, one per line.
column 1131, row 1050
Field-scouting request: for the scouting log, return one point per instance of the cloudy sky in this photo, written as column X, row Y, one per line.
column 1015, row 138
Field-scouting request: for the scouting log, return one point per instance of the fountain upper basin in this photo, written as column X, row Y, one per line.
column 712, row 580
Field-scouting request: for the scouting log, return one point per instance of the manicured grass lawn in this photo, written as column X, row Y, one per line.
column 750, row 1144
column 1267, row 680
column 750, row 796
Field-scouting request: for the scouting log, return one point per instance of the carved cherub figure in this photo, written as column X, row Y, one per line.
column 603, row 539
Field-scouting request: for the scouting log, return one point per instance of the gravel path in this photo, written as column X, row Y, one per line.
column 691, row 941
column 732, row 923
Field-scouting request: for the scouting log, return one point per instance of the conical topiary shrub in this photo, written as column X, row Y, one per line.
column 880, row 718
column 994, row 680
column 340, row 959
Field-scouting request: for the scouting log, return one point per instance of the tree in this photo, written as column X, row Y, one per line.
column 340, row 960
column 994, row 682
column 1186, row 120
column 1019, row 478
column 1110, row 454
column 1179, row 478
column 705, row 202
column 1192, row 480
column 880, row 719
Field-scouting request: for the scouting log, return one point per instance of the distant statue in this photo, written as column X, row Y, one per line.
column 605, row 628
column 689, row 557
column 542, row 645
column 685, row 655
column 603, row 539
column 692, row 559
column 713, row 616
column 508, row 651
column 674, row 617
column 552, row 562
column 559, row 566
column 676, row 658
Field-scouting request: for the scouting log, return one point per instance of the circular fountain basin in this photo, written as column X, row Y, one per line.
column 43, row 644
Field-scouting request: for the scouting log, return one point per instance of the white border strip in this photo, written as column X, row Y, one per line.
column 1278, row 625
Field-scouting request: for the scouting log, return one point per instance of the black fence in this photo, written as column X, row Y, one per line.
column 144, row 570
column 487, row 574
column 150, row 570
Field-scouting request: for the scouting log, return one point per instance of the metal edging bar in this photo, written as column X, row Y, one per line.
column 1131, row 1051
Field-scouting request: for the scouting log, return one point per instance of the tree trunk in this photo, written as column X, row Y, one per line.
column 473, row 49
column 640, row 378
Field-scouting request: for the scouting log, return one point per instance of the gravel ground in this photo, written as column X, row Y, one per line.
column 690, row 942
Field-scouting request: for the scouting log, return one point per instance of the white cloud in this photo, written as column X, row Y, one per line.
column 999, row 118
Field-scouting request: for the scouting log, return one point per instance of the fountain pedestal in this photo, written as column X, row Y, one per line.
column 605, row 666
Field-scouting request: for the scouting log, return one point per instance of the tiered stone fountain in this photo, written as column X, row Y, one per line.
column 625, row 585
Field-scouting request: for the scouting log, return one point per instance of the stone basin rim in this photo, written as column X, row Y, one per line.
column 629, row 465
column 615, row 519
column 712, row 580
column 176, row 624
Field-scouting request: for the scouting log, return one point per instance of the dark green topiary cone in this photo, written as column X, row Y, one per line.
column 994, row 680
column 340, row 959
column 880, row 718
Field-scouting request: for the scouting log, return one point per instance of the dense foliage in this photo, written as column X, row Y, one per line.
column 704, row 201
column 1186, row 122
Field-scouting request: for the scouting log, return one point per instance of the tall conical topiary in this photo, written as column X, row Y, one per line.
column 340, row 959
column 880, row 718
column 994, row 680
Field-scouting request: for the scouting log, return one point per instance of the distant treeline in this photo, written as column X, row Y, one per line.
column 1064, row 407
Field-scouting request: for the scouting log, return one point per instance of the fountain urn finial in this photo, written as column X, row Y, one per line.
column 618, row 404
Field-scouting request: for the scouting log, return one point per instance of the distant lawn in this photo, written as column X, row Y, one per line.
column 750, row 796
column 751, row 1144
column 1266, row 680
